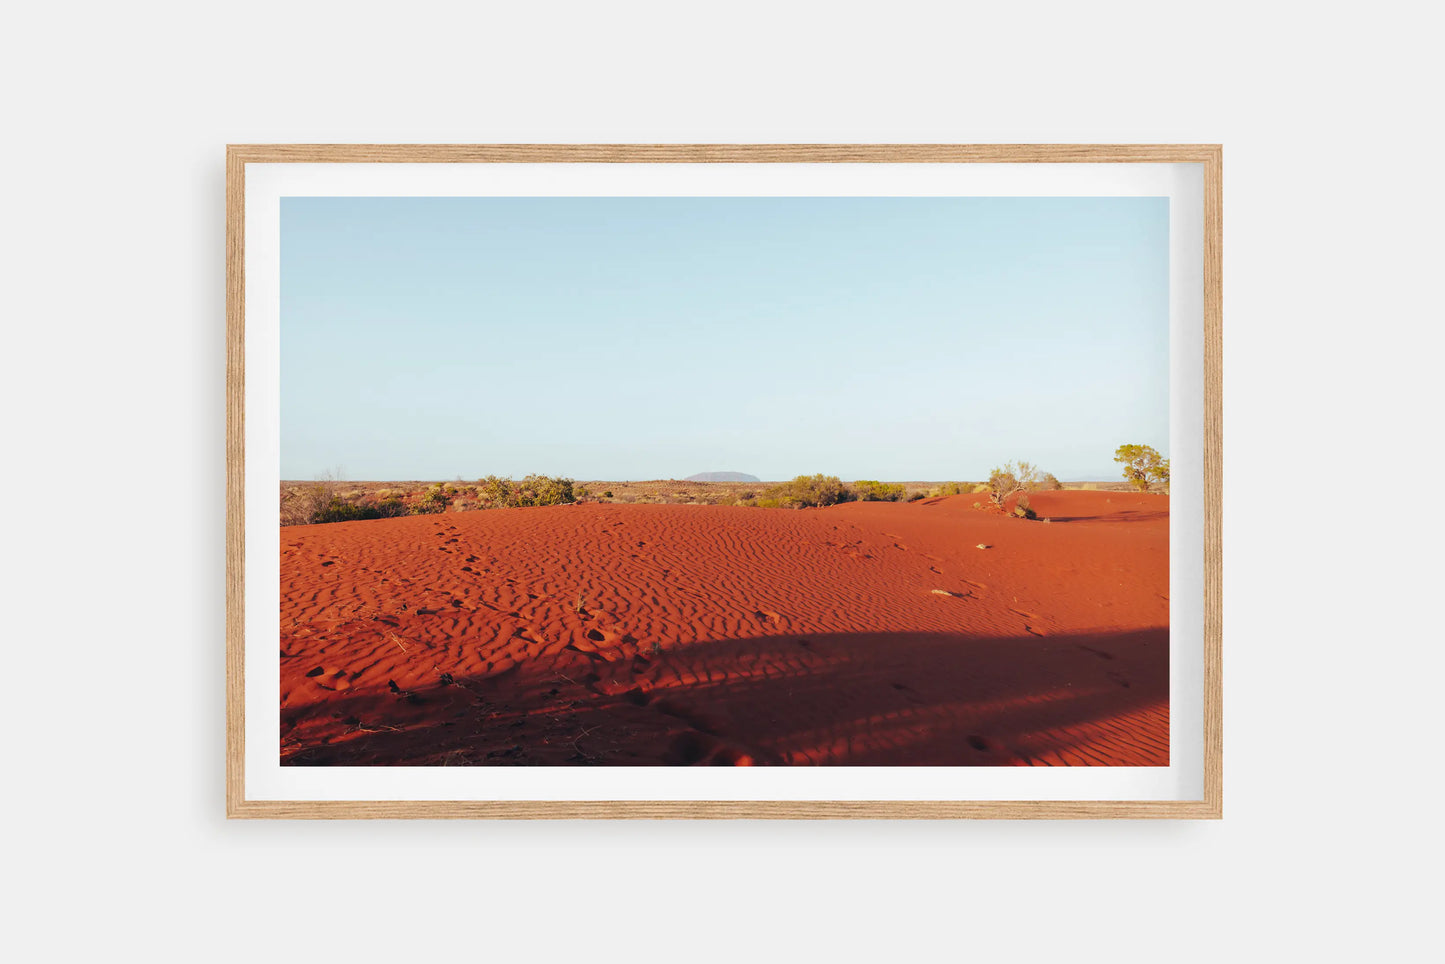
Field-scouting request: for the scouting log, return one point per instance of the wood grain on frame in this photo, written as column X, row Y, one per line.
column 1209, row 156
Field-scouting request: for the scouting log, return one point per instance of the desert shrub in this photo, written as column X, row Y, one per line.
column 1050, row 482
column 980, row 488
column 871, row 490
column 545, row 490
column 582, row 493
column 497, row 492
column 917, row 496
column 949, row 488
column 341, row 511
column 607, row 494
column 806, row 491
column 1023, row 510
column 1142, row 465
column 307, row 504
column 293, row 511
column 1014, row 478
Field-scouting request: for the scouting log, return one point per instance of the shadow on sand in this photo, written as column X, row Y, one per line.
column 915, row 699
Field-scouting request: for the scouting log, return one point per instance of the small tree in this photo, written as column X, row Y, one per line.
column 1142, row 465
column 1015, row 478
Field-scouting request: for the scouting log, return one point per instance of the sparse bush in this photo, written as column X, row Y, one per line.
column 607, row 494
column 545, row 490
column 497, row 492
column 917, row 496
column 1015, row 478
column 1050, row 482
column 807, row 491
column 341, row 511
column 305, row 504
column 1142, row 465
column 871, row 490
column 434, row 500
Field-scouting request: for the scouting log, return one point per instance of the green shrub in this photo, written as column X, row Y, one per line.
column 871, row 490
column 497, row 492
column 807, row 491
column 545, row 490
column 434, row 500
column 339, row 511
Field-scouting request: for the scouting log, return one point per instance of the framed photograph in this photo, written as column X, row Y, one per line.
column 734, row 481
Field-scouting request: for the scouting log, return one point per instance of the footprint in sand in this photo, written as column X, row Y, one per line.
column 908, row 691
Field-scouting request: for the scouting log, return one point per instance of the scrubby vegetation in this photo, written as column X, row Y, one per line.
column 812, row 491
column 435, row 500
column 805, row 491
column 340, row 511
column 321, row 501
column 1142, row 466
column 497, row 492
column 870, row 490
column 329, row 500
column 1015, row 480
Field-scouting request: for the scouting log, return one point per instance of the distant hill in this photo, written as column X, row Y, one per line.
column 722, row 477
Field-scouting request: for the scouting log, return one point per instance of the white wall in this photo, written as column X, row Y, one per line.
column 115, row 122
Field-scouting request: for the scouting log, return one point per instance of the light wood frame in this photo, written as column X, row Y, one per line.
column 1210, row 156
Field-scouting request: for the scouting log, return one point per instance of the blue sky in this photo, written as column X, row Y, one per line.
column 639, row 338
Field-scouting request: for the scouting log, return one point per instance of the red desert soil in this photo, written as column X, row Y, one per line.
column 867, row 633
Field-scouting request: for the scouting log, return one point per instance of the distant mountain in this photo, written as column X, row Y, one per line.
column 722, row 477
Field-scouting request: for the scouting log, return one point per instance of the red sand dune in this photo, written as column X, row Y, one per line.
column 867, row 633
